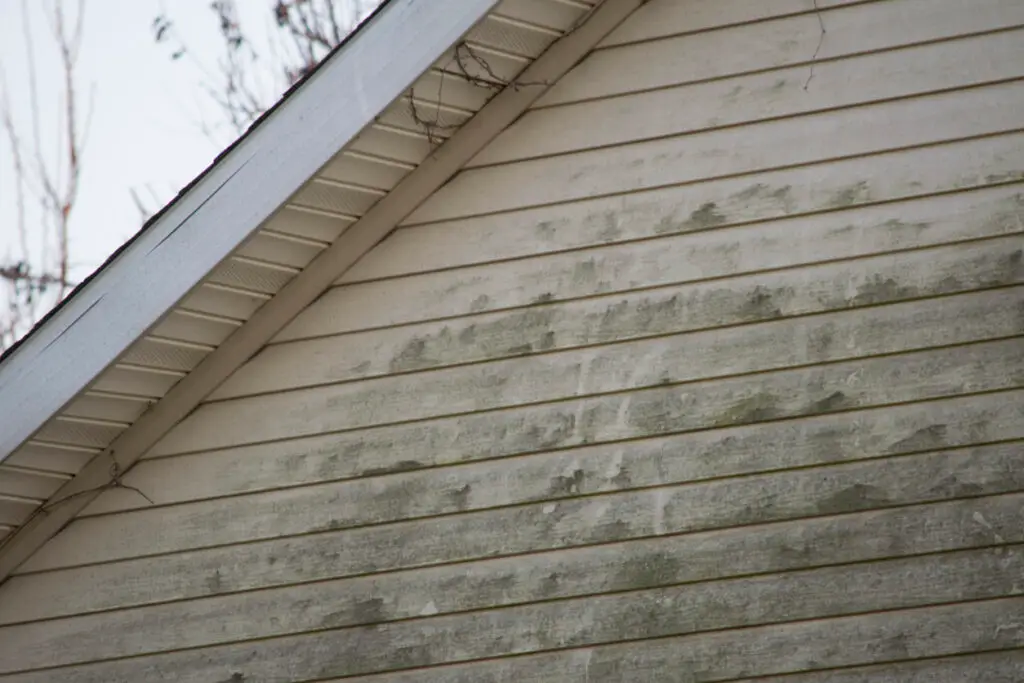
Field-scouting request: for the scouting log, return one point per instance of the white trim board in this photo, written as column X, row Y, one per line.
column 243, row 189
column 503, row 109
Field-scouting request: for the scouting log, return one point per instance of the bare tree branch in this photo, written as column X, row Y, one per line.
column 244, row 83
column 33, row 280
column 47, row 166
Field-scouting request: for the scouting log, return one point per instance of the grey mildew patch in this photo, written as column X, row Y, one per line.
column 545, row 229
column 480, row 303
column 552, row 377
column 567, row 484
column 707, row 216
column 926, row 438
column 904, row 174
column 1005, row 666
column 673, row 260
column 881, row 534
column 612, row 229
column 214, row 583
column 460, row 496
column 761, row 406
column 673, row 626
column 761, row 200
column 616, row 516
column 1005, row 177
column 879, row 289
column 837, row 400
column 857, row 193
column 597, row 420
column 529, row 429
column 400, row 466
column 510, row 334
column 855, row 497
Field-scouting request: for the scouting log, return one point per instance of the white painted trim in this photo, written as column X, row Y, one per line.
column 503, row 109
column 244, row 188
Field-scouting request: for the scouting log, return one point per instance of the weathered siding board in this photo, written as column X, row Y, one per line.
column 731, row 151
column 667, row 359
column 674, row 260
column 757, row 402
column 893, row 429
column 625, row 614
column 857, row 29
column 666, row 560
column 635, row 397
column 830, row 438
column 720, row 654
column 576, row 317
column 732, row 655
column 822, row 187
column 1006, row 666
column 847, row 537
column 521, row 384
column 765, row 95
column 659, row 19
column 983, row 470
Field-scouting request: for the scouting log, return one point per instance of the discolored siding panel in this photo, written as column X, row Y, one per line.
column 703, row 373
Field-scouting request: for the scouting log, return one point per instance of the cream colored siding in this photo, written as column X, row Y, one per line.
column 710, row 368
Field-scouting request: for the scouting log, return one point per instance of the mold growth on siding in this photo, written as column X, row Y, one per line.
column 761, row 406
column 853, row 498
column 932, row 437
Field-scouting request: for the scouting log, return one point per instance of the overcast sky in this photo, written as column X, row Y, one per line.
column 145, row 129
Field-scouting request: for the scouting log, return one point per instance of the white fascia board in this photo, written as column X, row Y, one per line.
column 244, row 188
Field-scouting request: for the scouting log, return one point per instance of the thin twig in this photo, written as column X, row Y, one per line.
column 463, row 57
column 429, row 126
column 301, row 33
column 495, row 81
column 52, row 182
column 821, row 39
column 114, row 483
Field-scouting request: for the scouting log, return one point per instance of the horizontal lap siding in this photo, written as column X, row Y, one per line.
column 710, row 368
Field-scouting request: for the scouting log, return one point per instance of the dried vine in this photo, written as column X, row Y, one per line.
column 821, row 40
column 115, row 483
column 464, row 59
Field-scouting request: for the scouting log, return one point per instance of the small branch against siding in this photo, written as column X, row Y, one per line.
column 431, row 125
column 466, row 55
column 114, row 483
column 467, row 62
column 821, row 39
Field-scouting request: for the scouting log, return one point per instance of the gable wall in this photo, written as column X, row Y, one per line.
column 712, row 363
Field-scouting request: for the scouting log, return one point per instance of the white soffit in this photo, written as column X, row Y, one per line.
column 266, row 209
column 238, row 193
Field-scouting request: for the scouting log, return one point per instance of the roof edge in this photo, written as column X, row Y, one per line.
column 244, row 187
